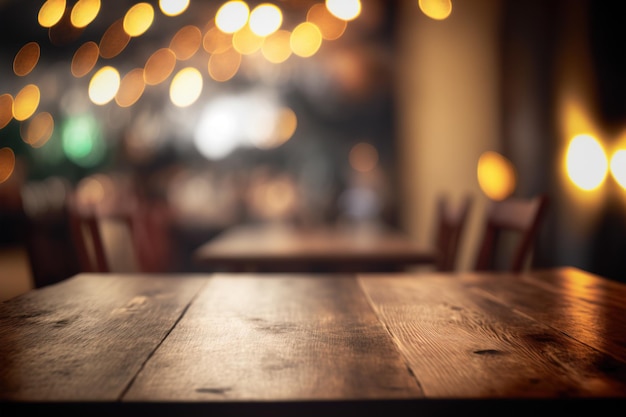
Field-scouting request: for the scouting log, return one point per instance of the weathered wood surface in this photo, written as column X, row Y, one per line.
column 86, row 338
column 314, row 344
column 498, row 335
column 282, row 338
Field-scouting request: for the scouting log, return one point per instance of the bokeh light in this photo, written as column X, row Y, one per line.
column 586, row 162
column 7, row 163
column 173, row 7
column 436, row 9
column 85, row 59
column 496, row 176
column 26, row 102
column 26, row 59
column 138, row 19
column 51, row 13
column 306, row 40
column 363, row 157
column 186, row 87
column 232, row 16
column 344, row 9
column 84, row 12
column 82, row 141
column 104, row 85
column 618, row 167
column 265, row 19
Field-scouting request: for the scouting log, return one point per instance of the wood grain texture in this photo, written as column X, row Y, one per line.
column 282, row 337
column 87, row 337
column 462, row 342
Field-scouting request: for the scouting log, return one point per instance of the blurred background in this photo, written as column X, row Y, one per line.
column 342, row 111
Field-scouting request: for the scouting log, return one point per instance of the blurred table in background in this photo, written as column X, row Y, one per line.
column 278, row 247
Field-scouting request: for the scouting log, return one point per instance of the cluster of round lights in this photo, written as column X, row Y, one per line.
column 237, row 30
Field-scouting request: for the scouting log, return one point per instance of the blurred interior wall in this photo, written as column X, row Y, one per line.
column 448, row 110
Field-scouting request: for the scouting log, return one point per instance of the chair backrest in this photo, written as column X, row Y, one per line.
column 520, row 217
column 88, row 242
column 451, row 221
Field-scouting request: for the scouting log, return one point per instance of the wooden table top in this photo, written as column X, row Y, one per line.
column 284, row 248
column 315, row 344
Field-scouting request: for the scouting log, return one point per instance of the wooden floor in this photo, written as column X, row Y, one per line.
column 15, row 275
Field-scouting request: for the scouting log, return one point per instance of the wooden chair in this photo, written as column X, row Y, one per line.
column 451, row 221
column 87, row 238
column 518, row 218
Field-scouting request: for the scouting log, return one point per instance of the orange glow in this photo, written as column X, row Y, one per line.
column 436, row 9
column 330, row 26
column 186, row 42
column 131, row 88
column 586, row 162
column 138, row 19
column 222, row 67
column 85, row 58
column 114, row 40
column 215, row 41
column 159, row 66
column 6, row 109
column 496, row 176
column 7, row 163
column 26, row 59
column 39, row 130
column 26, row 102
column 618, row 167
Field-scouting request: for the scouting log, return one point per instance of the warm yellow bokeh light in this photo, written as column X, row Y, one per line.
column 265, row 19
column 173, row 7
column 306, row 40
column 232, row 16
column 138, row 19
column 26, row 102
column 276, row 47
column 7, row 163
column 104, row 85
column 114, row 40
column 496, row 176
column 51, row 13
column 436, row 9
column 247, row 42
column 330, row 25
column 586, row 162
column 84, row 12
column 344, row 9
column 618, row 167
column 186, row 87
column 215, row 41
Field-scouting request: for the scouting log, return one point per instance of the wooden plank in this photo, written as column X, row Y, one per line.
column 461, row 344
column 284, row 337
column 86, row 337
column 581, row 305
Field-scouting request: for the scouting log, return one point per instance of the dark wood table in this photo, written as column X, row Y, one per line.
column 271, row 247
column 310, row 345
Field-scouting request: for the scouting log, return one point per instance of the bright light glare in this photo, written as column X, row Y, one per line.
column 586, row 162
column 344, row 9
column 138, row 19
column 618, row 167
column 233, row 121
column 232, row 16
column 265, row 19
column 104, row 85
column 496, row 176
column 186, row 87
column 173, row 7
